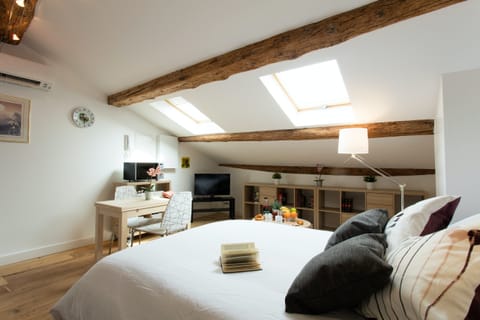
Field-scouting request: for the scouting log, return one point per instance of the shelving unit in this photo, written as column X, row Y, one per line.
column 300, row 197
column 337, row 205
column 304, row 201
column 325, row 207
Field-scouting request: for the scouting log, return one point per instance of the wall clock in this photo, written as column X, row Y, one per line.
column 83, row 117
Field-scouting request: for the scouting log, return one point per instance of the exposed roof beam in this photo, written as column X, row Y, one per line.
column 281, row 47
column 339, row 171
column 15, row 19
column 375, row 130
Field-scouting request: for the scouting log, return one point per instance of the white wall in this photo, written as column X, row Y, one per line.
column 439, row 142
column 461, row 130
column 199, row 163
column 49, row 186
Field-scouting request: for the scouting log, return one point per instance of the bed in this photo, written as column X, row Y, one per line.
column 433, row 271
column 179, row 277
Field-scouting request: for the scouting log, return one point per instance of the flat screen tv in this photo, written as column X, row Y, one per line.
column 211, row 184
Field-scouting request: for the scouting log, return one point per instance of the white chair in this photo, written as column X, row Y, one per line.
column 129, row 192
column 176, row 218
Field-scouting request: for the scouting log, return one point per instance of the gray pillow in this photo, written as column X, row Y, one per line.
column 340, row 277
column 370, row 221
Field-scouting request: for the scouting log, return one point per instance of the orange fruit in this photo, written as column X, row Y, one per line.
column 293, row 214
column 286, row 215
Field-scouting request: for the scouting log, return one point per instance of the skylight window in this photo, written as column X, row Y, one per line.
column 311, row 95
column 187, row 115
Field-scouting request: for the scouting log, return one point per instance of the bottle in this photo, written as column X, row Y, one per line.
column 278, row 218
column 265, row 208
column 268, row 217
column 275, row 207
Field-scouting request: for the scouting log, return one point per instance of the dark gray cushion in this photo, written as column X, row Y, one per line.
column 340, row 277
column 370, row 221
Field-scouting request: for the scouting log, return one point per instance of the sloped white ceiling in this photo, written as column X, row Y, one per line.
column 391, row 74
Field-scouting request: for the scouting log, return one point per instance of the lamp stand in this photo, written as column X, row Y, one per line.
column 384, row 174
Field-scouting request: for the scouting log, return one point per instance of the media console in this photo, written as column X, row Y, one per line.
column 229, row 200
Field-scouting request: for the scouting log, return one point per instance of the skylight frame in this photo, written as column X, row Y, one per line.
column 333, row 110
column 185, row 114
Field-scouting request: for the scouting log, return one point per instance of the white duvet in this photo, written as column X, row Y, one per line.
column 179, row 277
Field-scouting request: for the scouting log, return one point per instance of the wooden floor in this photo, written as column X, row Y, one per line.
column 28, row 289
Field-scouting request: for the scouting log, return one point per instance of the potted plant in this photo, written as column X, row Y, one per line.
column 370, row 180
column 318, row 181
column 276, row 177
column 152, row 172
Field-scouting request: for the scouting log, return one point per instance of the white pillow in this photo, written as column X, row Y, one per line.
column 421, row 218
column 436, row 276
column 466, row 221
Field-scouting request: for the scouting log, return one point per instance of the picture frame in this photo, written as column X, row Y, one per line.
column 14, row 119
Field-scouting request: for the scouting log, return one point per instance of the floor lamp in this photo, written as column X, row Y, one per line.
column 354, row 141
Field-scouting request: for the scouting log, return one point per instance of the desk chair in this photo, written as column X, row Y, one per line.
column 176, row 218
column 129, row 192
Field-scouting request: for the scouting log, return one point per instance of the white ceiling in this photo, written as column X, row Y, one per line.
column 391, row 74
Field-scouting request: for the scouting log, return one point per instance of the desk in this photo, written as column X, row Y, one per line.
column 122, row 210
column 230, row 209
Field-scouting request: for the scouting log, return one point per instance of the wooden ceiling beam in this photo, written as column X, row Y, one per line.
column 338, row 171
column 285, row 46
column 15, row 19
column 375, row 130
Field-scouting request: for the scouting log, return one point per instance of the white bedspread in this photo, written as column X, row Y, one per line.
column 179, row 277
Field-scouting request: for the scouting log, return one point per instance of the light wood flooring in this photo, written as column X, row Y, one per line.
column 29, row 289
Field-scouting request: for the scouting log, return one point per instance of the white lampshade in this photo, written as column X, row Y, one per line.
column 353, row 141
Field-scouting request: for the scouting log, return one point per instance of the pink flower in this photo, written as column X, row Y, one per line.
column 153, row 172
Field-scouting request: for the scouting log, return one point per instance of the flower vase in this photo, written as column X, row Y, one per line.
column 370, row 185
column 148, row 195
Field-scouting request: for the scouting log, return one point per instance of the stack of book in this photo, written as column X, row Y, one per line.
column 239, row 257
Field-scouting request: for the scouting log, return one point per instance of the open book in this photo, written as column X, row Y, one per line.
column 239, row 257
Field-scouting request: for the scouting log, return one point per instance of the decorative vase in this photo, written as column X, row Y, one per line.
column 148, row 195
column 370, row 185
column 318, row 182
column 276, row 181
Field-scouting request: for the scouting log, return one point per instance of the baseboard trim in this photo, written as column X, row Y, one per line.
column 43, row 251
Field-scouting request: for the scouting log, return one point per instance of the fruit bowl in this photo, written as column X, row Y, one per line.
column 259, row 217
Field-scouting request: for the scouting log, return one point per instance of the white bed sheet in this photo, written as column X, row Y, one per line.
column 179, row 277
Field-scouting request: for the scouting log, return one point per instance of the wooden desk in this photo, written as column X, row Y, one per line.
column 122, row 210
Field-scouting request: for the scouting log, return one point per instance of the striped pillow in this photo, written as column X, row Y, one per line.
column 436, row 276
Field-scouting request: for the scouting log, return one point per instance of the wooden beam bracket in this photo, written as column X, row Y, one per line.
column 332, row 171
column 375, row 130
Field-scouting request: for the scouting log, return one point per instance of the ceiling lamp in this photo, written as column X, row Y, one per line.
column 15, row 17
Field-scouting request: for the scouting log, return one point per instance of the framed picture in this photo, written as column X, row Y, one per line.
column 14, row 119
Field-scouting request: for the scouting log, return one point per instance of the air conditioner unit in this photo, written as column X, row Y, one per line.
column 23, row 72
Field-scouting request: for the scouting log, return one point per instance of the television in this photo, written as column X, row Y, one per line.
column 137, row 171
column 211, row 184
